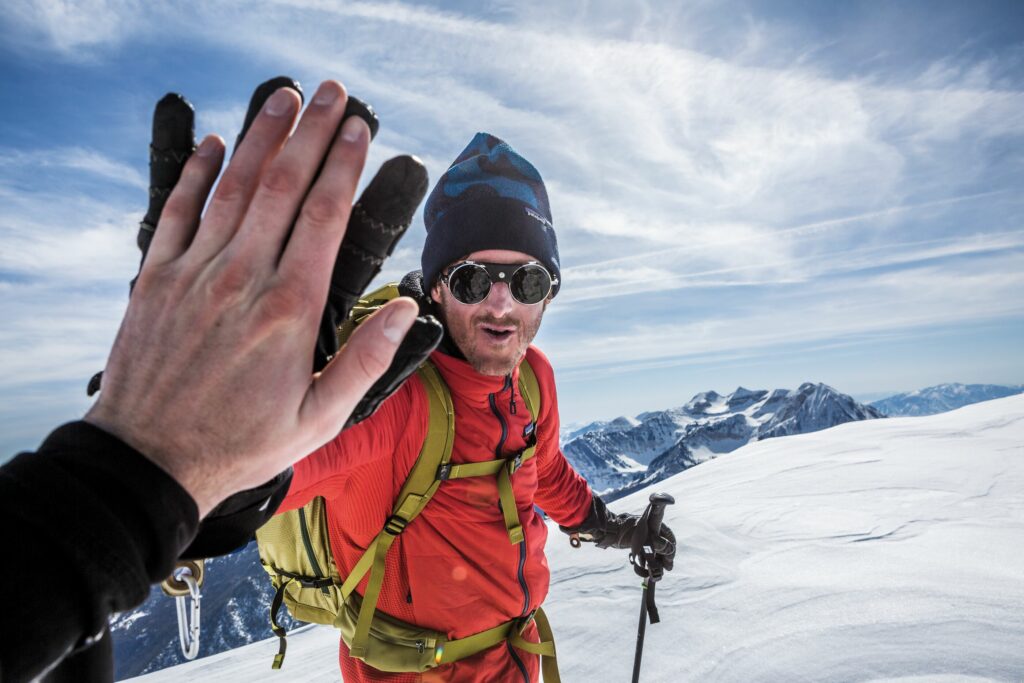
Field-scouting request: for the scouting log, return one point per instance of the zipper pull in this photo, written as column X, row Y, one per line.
column 512, row 395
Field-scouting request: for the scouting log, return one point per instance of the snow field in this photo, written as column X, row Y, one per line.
column 876, row 550
column 882, row 550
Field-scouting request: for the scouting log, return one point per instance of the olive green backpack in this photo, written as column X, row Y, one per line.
column 295, row 548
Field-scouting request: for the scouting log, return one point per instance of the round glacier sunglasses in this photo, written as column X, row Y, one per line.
column 470, row 281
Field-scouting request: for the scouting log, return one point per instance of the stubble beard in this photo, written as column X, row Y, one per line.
column 488, row 364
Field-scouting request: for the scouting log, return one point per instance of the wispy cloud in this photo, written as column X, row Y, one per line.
column 687, row 147
column 72, row 29
column 87, row 161
column 66, row 238
column 980, row 290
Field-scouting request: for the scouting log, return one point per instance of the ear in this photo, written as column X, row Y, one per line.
column 435, row 292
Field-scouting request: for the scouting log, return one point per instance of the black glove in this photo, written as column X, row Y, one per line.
column 608, row 530
column 173, row 142
column 378, row 220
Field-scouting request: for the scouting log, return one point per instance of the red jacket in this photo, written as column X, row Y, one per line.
column 453, row 569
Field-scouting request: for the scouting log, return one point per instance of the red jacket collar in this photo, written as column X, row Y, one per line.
column 467, row 383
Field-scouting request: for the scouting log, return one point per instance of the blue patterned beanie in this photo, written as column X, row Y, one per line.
column 489, row 198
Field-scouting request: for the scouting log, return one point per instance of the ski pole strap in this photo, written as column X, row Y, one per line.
column 652, row 609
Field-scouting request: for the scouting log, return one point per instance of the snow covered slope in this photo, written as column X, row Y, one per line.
column 879, row 550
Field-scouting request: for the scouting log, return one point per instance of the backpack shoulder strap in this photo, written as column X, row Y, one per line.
column 529, row 387
column 422, row 482
column 419, row 487
column 364, row 307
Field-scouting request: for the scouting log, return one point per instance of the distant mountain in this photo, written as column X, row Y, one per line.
column 619, row 424
column 662, row 443
column 943, row 397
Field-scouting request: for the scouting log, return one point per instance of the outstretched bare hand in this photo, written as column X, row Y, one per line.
column 209, row 376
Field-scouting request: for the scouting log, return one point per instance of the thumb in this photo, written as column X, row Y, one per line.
column 367, row 355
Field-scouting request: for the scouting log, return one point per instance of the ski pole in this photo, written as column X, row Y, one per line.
column 647, row 565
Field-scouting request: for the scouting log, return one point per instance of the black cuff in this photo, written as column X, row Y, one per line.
column 231, row 524
column 595, row 522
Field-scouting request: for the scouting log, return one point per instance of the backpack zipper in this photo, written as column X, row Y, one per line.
column 304, row 529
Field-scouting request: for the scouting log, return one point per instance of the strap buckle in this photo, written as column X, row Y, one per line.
column 523, row 622
column 444, row 471
column 395, row 525
column 515, row 463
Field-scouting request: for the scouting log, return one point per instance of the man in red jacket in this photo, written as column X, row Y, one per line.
column 490, row 268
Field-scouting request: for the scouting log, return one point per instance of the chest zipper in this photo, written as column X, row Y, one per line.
column 492, row 399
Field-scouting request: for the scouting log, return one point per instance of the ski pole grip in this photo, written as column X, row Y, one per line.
column 658, row 501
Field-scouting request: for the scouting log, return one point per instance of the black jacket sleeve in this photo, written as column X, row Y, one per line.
column 88, row 524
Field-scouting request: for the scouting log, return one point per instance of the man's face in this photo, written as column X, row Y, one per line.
column 493, row 334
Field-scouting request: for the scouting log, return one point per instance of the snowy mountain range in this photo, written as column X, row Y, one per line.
column 880, row 550
column 942, row 397
column 625, row 454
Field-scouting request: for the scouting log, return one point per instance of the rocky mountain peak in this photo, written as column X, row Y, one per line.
column 658, row 444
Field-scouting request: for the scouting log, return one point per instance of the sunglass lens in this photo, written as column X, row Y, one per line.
column 469, row 284
column 530, row 284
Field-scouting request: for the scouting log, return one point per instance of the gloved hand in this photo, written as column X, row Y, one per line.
column 377, row 221
column 380, row 217
column 608, row 530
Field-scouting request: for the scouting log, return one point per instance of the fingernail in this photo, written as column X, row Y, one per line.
column 326, row 94
column 354, row 129
column 280, row 103
column 398, row 322
column 207, row 147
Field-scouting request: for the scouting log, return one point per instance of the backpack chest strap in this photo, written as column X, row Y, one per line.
column 503, row 468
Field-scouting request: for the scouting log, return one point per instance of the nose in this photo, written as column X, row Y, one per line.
column 499, row 300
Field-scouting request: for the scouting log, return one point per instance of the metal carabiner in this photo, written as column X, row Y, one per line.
column 183, row 585
column 188, row 620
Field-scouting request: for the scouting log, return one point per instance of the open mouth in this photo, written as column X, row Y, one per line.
column 498, row 332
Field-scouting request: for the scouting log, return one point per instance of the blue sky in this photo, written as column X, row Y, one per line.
column 755, row 194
